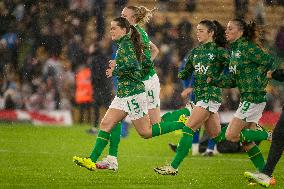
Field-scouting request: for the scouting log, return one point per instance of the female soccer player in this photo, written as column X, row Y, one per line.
column 131, row 97
column 248, row 66
column 264, row 177
column 206, row 60
column 138, row 16
column 188, row 94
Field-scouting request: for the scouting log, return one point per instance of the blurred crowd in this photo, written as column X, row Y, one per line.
column 45, row 44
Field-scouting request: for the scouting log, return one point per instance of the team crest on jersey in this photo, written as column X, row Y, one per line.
column 194, row 57
column 236, row 54
column 211, row 56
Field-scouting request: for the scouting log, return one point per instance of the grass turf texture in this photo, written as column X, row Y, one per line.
column 41, row 157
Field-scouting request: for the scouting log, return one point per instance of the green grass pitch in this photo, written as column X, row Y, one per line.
column 41, row 157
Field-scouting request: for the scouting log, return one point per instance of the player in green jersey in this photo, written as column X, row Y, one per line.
column 131, row 97
column 265, row 177
column 248, row 66
column 206, row 60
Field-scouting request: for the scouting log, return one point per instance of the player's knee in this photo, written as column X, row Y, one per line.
column 105, row 125
column 214, row 133
column 232, row 137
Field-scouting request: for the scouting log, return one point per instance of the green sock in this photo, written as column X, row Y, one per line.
column 249, row 135
column 165, row 127
column 174, row 116
column 101, row 143
column 221, row 137
column 184, row 146
column 114, row 140
column 256, row 157
column 246, row 135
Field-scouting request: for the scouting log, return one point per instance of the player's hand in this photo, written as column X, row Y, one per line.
column 269, row 74
column 109, row 72
column 184, row 94
column 112, row 63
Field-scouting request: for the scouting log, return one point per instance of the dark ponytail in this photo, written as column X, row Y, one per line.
column 219, row 31
column 219, row 35
column 135, row 37
column 249, row 31
column 138, row 45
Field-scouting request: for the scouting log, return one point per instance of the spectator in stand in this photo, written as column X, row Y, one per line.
column 184, row 41
column 76, row 53
column 52, row 98
column 99, row 9
column 166, row 29
column 10, row 89
column 52, row 38
column 52, row 74
column 84, row 91
column 281, row 2
column 82, row 9
column 5, row 18
column 67, row 85
column 34, row 30
column 241, row 8
column 10, row 41
column 259, row 12
column 190, row 5
column 102, row 86
column 153, row 27
column 32, row 68
column 119, row 5
column 164, row 61
column 36, row 100
column 52, row 67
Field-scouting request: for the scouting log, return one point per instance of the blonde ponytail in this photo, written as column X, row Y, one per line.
column 142, row 14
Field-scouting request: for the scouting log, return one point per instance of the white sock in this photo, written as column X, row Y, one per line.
column 209, row 150
column 195, row 149
column 215, row 151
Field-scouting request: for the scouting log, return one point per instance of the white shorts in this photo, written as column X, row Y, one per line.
column 135, row 106
column 152, row 88
column 250, row 112
column 210, row 105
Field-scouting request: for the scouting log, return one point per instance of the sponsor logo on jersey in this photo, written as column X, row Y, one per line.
column 201, row 68
column 233, row 69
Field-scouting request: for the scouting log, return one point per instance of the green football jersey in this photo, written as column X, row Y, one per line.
column 128, row 69
column 206, row 60
column 248, row 66
column 148, row 66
